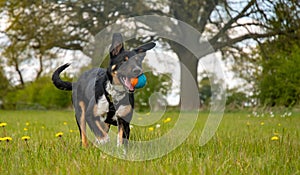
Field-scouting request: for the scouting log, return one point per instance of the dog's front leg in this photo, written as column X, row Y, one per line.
column 123, row 114
column 123, row 132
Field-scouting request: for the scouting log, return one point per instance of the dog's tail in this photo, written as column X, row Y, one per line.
column 60, row 84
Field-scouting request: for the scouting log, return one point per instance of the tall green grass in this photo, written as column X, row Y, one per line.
column 242, row 145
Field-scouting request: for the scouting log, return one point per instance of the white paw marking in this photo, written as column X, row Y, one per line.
column 102, row 141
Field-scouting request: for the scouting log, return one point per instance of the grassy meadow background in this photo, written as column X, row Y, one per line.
column 245, row 143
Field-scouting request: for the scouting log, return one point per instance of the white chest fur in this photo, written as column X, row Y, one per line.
column 102, row 106
column 117, row 92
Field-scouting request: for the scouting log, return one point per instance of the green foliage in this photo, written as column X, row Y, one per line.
column 4, row 85
column 205, row 91
column 280, row 60
column 40, row 94
column 155, row 84
column 236, row 99
column 280, row 79
column 210, row 89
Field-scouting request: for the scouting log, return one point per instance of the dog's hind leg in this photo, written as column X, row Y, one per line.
column 82, row 125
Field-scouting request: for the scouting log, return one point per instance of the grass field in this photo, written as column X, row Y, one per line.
column 243, row 144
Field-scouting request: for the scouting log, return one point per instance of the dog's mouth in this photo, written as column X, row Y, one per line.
column 126, row 81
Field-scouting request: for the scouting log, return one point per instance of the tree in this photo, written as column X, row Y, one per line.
column 34, row 29
column 273, row 66
column 226, row 24
column 220, row 21
column 280, row 78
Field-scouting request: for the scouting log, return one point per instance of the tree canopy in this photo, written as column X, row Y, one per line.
column 280, row 60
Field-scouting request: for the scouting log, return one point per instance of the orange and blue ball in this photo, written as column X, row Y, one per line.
column 139, row 82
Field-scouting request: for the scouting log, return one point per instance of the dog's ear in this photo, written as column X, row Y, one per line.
column 117, row 45
column 144, row 47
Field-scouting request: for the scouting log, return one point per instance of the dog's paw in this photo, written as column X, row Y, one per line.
column 102, row 141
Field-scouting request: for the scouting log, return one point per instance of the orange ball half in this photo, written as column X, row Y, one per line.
column 134, row 81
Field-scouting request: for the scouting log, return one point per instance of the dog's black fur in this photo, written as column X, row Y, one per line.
column 104, row 97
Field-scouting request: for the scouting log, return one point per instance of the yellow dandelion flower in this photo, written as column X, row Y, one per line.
column 71, row 130
column 1, row 139
column 167, row 120
column 65, row 123
column 25, row 138
column 7, row 139
column 43, row 127
column 262, row 123
column 274, row 138
column 279, row 124
column 150, row 128
column 59, row 134
column 25, row 129
column 3, row 124
column 27, row 123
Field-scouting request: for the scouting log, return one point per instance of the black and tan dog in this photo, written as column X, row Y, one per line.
column 104, row 97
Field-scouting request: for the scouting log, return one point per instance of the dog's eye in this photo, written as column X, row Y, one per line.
column 126, row 59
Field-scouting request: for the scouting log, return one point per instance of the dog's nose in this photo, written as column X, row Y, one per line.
column 137, row 71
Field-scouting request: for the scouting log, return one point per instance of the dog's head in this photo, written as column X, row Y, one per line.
column 125, row 65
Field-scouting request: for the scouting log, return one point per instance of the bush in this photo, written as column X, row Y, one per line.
column 41, row 94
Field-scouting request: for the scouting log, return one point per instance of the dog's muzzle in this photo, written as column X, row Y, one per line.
column 127, row 83
column 134, row 83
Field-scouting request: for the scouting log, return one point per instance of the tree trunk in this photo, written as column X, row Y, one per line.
column 19, row 73
column 40, row 70
column 189, row 98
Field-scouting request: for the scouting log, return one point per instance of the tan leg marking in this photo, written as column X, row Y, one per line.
column 120, row 136
column 83, row 125
column 107, row 127
column 101, row 129
column 105, row 138
column 95, row 110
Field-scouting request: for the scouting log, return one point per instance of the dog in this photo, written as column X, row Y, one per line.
column 104, row 97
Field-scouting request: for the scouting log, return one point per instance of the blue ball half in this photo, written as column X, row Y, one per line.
column 142, row 80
